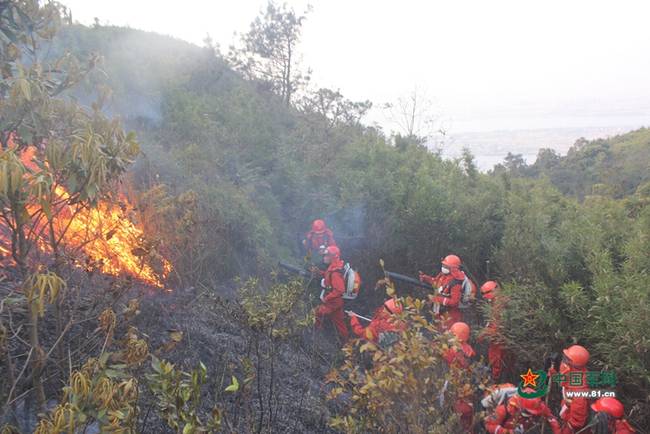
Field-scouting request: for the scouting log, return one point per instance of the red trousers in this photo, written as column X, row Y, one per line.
column 449, row 316
column 465, row 411
column 333, row 309
column 575, row 415
column 496, row 355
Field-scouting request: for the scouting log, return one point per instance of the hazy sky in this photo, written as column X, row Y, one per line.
column 487, row 64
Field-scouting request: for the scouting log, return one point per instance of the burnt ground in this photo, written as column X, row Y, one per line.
column 286, row 393
column 213, row 334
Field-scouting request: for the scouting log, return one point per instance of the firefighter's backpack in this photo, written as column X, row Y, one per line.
column 352, row 281
column 469, row 293
column 497, row 395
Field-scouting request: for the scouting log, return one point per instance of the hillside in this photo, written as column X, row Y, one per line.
column 136, row 66
column 616, row 166
column 219, row 181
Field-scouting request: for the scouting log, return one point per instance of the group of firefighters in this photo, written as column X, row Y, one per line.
column 511, row 413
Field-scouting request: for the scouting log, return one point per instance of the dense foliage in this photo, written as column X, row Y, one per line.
column 231, row 174
column 616, row 166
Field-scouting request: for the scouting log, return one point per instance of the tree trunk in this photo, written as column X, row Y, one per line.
column 37, row 360
column 287, row 77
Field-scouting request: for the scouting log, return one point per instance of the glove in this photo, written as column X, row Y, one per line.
column 563, row 411
column 600, row 423
column 552, row 360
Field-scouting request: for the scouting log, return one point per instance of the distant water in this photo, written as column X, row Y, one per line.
column 490, row 148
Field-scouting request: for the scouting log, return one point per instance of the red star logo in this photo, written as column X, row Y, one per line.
column 529, row 378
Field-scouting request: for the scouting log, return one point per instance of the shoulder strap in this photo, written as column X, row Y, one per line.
column 451, row 284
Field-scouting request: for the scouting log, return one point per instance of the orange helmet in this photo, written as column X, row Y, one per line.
column 332, row 251
column 611, row 406
column 577, row 355
column 489, row 289
column 460, row 330
column 532, row 406
column 393, row 306
column 318, row 226
column 452, row 261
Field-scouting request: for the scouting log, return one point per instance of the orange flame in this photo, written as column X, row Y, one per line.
column 110, row 240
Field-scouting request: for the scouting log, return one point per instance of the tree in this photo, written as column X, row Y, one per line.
column 414, row 118
column 334, row 107
column 269, row 51
column 55, row 157
column 514, row 163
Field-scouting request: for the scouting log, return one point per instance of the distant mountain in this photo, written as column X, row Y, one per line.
column 615, row 166
column 491, row 147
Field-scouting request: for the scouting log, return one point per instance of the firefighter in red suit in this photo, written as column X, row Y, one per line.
column 609, row 417
column 519, row 415
column 490, row 292
column 383, row 321
column 332, row 301
column 460, row 358
column 450, row 290
column 320, row 236
column 574, row 412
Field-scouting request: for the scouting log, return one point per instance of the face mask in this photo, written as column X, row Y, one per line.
column 444, row 270
column 564, row 368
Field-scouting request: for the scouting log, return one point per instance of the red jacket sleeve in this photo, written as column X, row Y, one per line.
column 449, row 355
column 493, row 422
column 577, row 412
column 453, row 300
column 338, row 287
column 330, row 238
column 371, row 332
column 428, row 279
column 552, row 421
column 623, row 427
column 357, row 328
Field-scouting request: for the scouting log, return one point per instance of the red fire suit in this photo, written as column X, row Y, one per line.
column 460, row 358
column 332, row 306
column 507, row 417
column 450, row 295
column 315, row 240
column 574, row 412
column 382, row 322
column 497, row 353
column 621, row 426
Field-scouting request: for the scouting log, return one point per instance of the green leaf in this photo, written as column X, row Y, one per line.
column 24, row 86
column 112, row 373
column 188, row 428
column 103, row 358
column 185, row 394
column 155, row 364
column 9, row 34
column 234, row 386
column 47, row 210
